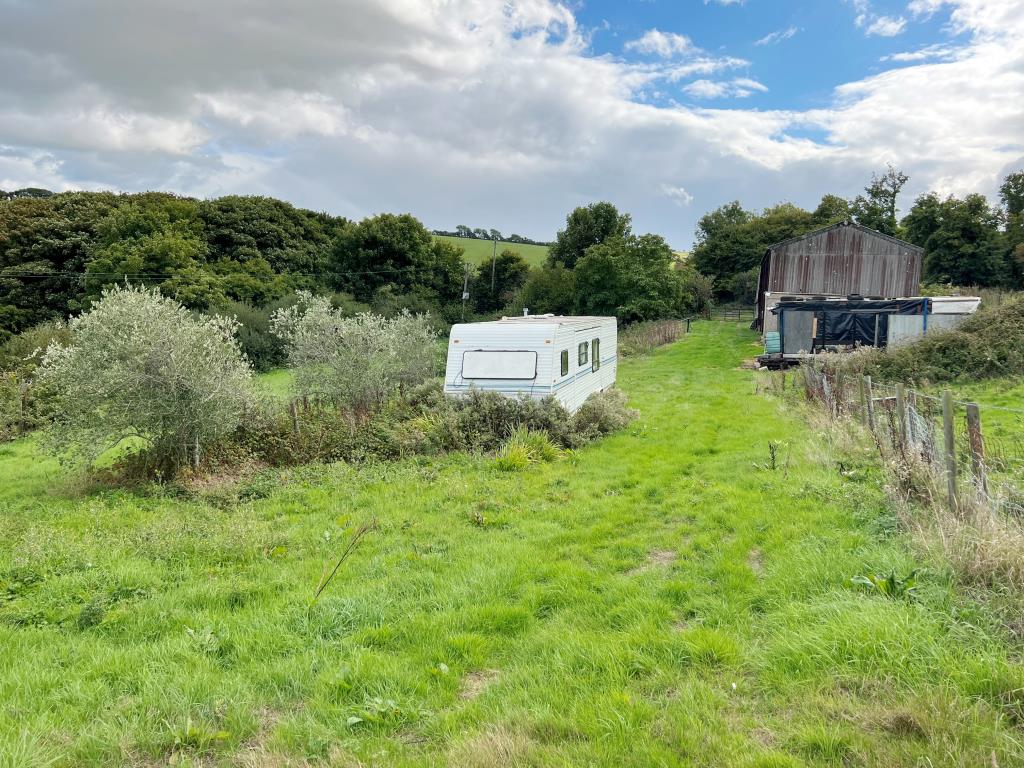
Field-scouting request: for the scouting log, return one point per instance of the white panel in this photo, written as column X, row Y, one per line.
column 499, row 364
column 955, row 305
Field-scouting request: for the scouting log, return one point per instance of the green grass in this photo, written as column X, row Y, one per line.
column 658, row 598
column 478, row 251
column 276, row 383
column 1001, row 401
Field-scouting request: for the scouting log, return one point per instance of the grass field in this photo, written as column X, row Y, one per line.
column 663, row 597
column 478, row 251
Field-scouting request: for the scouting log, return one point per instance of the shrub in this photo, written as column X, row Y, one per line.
column 483, row 421
column 22, row 354
column 264, row 350
column 140, row 366
column 601, row 414
column 987, row 344
column 358, row 362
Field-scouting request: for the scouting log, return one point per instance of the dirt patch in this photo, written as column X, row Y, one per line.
column 903, row 724
column 496, row 746
column 476, row 683
column 749, row 365
column 659, row 558
column 755, row 559
column 763, row 736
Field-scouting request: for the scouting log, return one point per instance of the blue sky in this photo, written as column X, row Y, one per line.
column 510, row 113
column 806, row 48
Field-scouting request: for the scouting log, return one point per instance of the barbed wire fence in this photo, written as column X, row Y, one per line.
column 976, row 451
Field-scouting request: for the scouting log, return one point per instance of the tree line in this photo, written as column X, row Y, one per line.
column 245, row 257
column 480, row 233
column 967, row 241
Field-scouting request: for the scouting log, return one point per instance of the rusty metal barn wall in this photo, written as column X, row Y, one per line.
column 845, row 260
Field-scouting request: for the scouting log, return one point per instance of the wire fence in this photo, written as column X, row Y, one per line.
column 975, row 450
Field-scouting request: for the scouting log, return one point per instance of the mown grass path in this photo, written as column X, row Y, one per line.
column 663, row 598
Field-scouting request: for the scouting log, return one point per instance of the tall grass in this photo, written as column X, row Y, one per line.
column 642, row 338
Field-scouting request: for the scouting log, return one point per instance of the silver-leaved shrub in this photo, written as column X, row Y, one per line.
column 355, row 363
column 142, row 372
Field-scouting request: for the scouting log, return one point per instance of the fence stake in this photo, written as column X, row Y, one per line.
column 977, row 447
column 863, row 402
column 869, row 391
column 947, row 428
column 901, row 413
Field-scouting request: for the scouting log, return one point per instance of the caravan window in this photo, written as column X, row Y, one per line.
column 565, row 362
column 597, row 355
column 584, row 348
column 499, row 364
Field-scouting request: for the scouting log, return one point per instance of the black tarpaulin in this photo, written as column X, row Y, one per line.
column 854, row 321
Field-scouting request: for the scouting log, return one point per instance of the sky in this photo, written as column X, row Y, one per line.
column 508, row 114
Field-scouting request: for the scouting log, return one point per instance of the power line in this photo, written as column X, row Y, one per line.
column 207, row 275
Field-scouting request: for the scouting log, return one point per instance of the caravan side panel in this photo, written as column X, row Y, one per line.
column 585, row 375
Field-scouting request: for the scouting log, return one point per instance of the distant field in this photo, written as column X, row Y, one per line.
column 478, row 251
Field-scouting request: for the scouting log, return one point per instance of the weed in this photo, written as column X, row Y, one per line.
column 889, row 585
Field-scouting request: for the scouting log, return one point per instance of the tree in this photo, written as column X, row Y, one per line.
column 1012, row 195
column 396, row 250
column 965, row 246
column 548, row 289
column 878, row 209
column 509, row 272
column 832, row 209
column 632, row 278
column 44, row 244
column 726, row 243
column 140, row 367
column 358, row 362
column 923, row 219
column 1011, row 192
column 494, row 234
column 462, row 230
column 586, row 227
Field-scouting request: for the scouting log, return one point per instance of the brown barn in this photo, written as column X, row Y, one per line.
column 840, row 260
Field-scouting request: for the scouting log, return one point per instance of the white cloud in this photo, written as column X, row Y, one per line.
column 885, row 26
column 664, row 44
column 876, row 24
column 930, row 52
column 778, row 36
column 676, row 194
column 740, row 87
column 488, row 111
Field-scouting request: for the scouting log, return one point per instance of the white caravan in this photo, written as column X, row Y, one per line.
column 536, row 356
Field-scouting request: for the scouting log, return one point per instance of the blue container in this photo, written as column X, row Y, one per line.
column 772, row 343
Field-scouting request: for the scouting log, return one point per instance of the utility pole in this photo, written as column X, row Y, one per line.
column 494, row 261
column 465, row 292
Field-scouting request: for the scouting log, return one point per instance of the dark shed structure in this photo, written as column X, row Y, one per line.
column 840, row 260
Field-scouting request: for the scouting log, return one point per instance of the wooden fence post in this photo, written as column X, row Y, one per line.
column 293, row 407
column 869, row 391
column 901, row 414
column 863, row 402
column 947, row 429
column 977, row 447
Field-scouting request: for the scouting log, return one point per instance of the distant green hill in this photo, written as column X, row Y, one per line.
column 478, row 251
